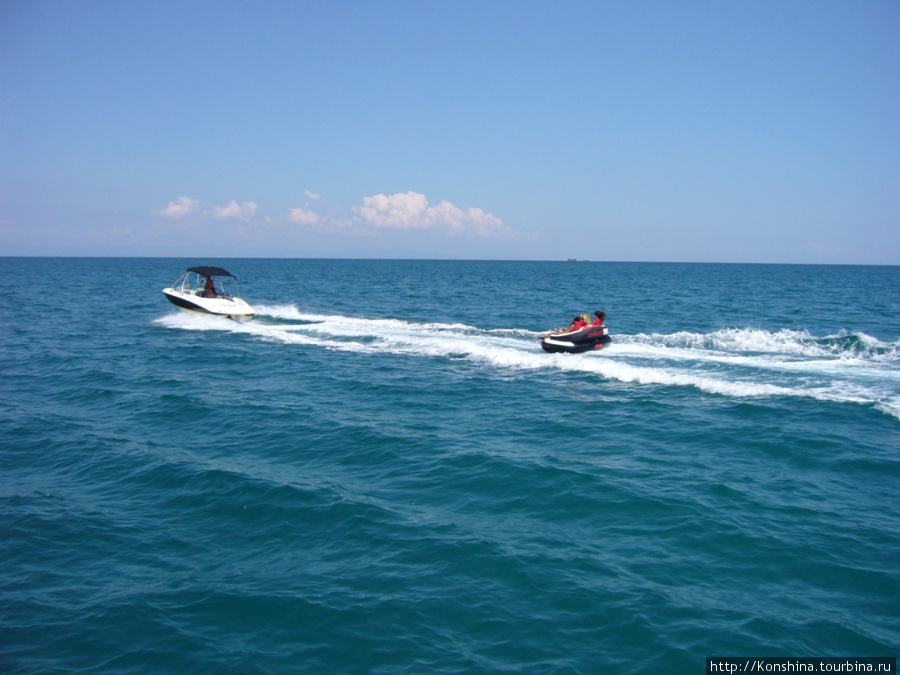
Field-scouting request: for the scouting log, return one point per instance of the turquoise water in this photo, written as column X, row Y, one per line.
column 383, row 472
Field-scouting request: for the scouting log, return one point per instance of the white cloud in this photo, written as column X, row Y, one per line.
column 486, row 224
column 303, row 217
column 400, row 211
column 182, row 208
column 243, row 211
column 411, row 211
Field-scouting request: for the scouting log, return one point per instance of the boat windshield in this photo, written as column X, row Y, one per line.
column 195, row 284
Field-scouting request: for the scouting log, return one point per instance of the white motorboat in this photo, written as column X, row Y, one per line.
column 209, row 290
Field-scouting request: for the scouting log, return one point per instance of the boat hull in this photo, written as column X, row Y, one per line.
column 190, row 301
column 577, row 342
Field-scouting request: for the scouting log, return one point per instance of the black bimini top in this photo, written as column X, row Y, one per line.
column 207, row 271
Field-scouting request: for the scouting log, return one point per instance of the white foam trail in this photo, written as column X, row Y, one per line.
column 290, row 312
column 784, row 342
column 731, row 362
column 890, row 406
column 192, row 321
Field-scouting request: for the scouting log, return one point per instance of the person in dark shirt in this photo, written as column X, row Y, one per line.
column 209, row 291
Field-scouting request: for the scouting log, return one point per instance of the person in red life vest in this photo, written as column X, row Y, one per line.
column 598, row 318
column 578, row 323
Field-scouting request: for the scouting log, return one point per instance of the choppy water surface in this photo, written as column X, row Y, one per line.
column 383, row 472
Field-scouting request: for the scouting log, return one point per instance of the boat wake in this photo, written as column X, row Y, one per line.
column 844, row 367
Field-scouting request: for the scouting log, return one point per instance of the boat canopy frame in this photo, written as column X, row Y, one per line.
column 209, row 271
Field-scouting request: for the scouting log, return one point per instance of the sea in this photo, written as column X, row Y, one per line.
column 383, row 472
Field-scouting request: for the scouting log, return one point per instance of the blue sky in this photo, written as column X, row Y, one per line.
column 660, row 131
